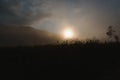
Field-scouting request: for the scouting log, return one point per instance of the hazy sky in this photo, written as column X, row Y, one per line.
column 89, row 17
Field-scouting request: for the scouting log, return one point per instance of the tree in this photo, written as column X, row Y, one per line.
column 111, row 34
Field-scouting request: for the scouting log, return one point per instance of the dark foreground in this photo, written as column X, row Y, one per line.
column 82, row 61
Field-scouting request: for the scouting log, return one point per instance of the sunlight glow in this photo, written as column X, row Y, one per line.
column 68, row 33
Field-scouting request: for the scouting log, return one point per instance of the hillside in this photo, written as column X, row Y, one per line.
column 19, row 36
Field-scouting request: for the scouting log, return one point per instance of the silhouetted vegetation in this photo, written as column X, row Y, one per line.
column 88, row 59
column 111, row 34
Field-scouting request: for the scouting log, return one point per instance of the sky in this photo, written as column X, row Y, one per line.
column 89, row 18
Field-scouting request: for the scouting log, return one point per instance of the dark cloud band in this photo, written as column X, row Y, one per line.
column 22, row 12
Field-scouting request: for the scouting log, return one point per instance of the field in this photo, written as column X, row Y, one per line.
column 90, row 60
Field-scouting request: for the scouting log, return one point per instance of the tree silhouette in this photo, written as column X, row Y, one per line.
column 111, row 34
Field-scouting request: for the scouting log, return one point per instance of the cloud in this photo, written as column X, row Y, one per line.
column 22, row 12
column 90, row 17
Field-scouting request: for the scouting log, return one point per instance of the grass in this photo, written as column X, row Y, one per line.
column 89, row 60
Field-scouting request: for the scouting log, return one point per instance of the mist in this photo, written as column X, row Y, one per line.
column 89, row 17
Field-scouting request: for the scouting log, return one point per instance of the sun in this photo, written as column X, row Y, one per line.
column 68, row 33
